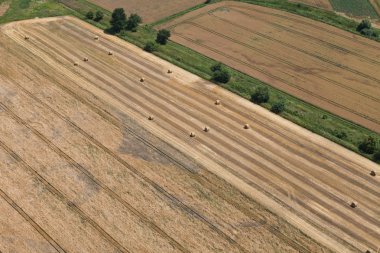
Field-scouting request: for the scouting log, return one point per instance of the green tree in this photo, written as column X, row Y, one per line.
column 150, row 46
column 163, row 36
column 118, row 20
column 261, row 95
column 278, row 107
column 368, row 145
column 90, row 15
column 365, row 24
column 133, row 21
column 98, row 16
column 221, row 76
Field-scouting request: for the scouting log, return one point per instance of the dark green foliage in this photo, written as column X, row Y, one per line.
column 221, row 76
column 376, row 156
column 133, row 21
column 208, row 1
column 163, row 36
column 368, row 145
column 216, row 67
column 261, row 95
column 150, row 46
column 98, row 16
column 365, row 24
column 118, row 20
column 340, row 134
column 369, row 32
column 90, row 15
column 278, row 107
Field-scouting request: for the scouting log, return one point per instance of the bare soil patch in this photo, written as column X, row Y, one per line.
column 3, row 8
column 86, row 170
column 325, row 66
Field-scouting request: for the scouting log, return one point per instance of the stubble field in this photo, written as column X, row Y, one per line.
column 84, row 170
column 325, row 66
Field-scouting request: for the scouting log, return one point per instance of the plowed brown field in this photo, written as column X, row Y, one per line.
column 82, row 169
column 149, row 10
column 320, row 64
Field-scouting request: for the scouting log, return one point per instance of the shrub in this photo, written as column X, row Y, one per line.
column 163, row 36
column 365, row 24
column 133, row 21
column 376, row 156
column 368, row 145
column 216, row 67
column 340, row 134
column 118, row 20
column 261, row 95
column 221, row 76
column 369, row 32
column 90, row 15
column 208, row 1
column 98, row 16
column 278, row 107
column 150, row 47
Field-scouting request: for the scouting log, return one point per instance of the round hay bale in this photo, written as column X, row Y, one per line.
column 76, row 64
column 206, row 129
column 85, row 59
column 150, row 118
column 353, row 204
column 368, row 251
column 142, row 79
column 192, row 134
column 26, row 37
column 110, row 53
column 373, row 173
column 217, row 102
column 170, row 71
column 246, row 126
column 96, row 38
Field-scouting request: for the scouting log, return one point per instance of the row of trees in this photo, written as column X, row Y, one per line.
column 120, row 22
column 98, row 16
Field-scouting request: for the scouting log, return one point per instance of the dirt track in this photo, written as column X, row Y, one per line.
column 103, row 169
column 320, row 64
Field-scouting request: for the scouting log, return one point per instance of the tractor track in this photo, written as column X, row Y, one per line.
column 19, row 210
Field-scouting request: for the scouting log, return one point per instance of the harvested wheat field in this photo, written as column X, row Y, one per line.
column 330, row 68
column 149, row 10
column 96, row 156
column 323, row 4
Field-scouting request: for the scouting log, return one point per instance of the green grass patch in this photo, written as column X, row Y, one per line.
column 360, row 8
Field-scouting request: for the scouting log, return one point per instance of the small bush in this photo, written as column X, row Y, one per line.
column 340, row 134
column 98, row 16
column 261, row 95
column 369, row 32
column 221, row 76
column 368, row 145
column 163, row 36
column 208, row 1
column 278, row 107
column 90, row 15
column 365, row 24
column 376, row 156
column 216, row 67
column 150, row 47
